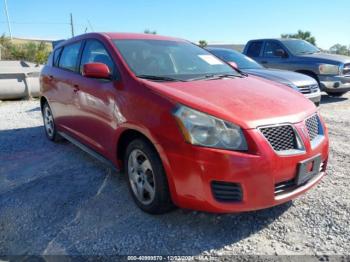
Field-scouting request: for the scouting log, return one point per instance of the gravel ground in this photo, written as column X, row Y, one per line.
column 55, row 199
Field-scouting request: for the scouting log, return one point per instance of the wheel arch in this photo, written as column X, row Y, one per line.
column 129, row 134
column 309, row 73
column 125, row 138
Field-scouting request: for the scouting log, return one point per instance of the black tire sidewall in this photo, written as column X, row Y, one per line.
column 336, row 94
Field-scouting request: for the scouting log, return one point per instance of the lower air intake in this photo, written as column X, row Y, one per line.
column 226, row 192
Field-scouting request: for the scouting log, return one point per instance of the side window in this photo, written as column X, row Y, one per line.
column 95, row 52
column 69, row 57
column 270, row 49
column 56, row 56
column 254, row 49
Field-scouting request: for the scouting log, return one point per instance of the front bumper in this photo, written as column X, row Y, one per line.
column 334, row 84
column 195, row 168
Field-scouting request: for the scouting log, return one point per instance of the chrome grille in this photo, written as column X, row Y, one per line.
column 346, row 69
column 308, row 89
column 281, row 137
column 312, row 125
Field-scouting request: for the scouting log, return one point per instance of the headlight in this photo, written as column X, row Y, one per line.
column 327, row 69
column 205, row 130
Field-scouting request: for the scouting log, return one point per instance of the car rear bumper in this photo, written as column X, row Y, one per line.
column 196, row 170
column 335, row 84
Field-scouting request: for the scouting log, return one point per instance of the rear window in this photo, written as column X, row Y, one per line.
column 69, row 57
column 254, row 49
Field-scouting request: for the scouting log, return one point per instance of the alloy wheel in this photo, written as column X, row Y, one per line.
column 141, row 177
column 48, row 121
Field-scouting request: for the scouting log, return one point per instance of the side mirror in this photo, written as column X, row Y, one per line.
column 280, row 53
column 233, row 65
column 96, row 70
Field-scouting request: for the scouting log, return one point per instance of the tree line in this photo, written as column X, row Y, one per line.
column 39, row 52
column 307, row 36
column 30, row 51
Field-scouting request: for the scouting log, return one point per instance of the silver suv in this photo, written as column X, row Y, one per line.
column 301, row 83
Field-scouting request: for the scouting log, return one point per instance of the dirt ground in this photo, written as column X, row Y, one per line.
column 56, row 199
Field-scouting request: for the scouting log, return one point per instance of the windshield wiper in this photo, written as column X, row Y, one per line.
column 159, row 78
column 215, row 76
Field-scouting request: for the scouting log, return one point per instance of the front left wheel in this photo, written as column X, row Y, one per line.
column 146, row 177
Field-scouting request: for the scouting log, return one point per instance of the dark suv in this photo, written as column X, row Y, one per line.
column 331, row 71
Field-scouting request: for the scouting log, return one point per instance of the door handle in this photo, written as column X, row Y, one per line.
column 264, row 62
column 76, row 88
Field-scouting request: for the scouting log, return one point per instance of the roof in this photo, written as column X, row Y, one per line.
column 117, row 36
column 238, row 48
column 220, row 49
column 278, row 39
column 140, row 36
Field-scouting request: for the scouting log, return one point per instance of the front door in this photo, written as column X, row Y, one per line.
column 95, row 101
column 271, row 59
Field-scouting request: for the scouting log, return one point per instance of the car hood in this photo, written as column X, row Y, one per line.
column 282, row 76
column 323, row 57
column 248, row 102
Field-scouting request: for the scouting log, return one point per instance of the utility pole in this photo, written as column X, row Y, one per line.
column 8, row 19
column 71, row 24
column 92, row 29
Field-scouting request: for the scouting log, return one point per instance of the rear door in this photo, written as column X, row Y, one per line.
column 270, row 59
column 95, row 100
column 62, row 75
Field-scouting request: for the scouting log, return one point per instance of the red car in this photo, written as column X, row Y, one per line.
column 188, row 129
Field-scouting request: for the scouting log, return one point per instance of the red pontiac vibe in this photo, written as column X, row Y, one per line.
column 188, row 129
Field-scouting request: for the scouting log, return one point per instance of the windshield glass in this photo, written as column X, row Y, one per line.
column 170, row 59
column 242, row 61
column 300, row 47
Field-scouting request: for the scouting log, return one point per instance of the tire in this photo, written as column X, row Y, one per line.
column 49, row 124
column 337, row 94
column 147, row 180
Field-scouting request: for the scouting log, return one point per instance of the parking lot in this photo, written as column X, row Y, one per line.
column 56, row 199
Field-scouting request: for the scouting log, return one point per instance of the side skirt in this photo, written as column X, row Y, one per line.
column 89, row 151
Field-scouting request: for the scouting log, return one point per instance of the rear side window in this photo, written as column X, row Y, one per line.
column 95, row 52
column 56, row 56
column 270, row 49
column 254, row 49
column 69, row 57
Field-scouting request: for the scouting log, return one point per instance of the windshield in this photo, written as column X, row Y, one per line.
column 166, row 60
column 300, row 47
column 242, row 61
